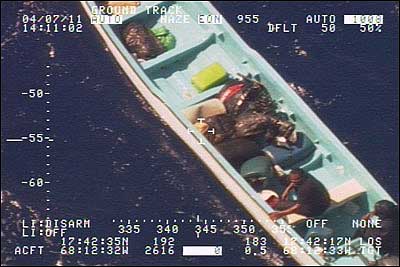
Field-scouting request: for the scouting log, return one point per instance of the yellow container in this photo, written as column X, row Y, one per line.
column 209, row 77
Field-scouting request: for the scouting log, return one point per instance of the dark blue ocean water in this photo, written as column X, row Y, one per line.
column 113, row 159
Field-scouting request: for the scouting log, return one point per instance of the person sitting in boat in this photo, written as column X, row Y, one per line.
column 312, row 197
column 387, row 230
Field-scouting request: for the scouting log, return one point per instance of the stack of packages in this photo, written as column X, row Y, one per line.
column 250, row 116
column 146, row 44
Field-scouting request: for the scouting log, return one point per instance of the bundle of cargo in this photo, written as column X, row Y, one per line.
column 146, row 43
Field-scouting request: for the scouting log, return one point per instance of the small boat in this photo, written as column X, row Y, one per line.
column 166, row 82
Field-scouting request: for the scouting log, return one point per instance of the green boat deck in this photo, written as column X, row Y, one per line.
column 198, row 46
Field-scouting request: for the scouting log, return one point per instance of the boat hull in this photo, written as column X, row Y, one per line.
column 223, row 172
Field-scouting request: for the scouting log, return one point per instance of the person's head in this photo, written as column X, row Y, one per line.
column 257, row 182
column 385, row 209
column 296, row 176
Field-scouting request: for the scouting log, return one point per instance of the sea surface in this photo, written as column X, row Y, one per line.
column 112, row 158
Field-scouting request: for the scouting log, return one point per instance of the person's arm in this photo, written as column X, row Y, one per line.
column 279, row 214
column 280, row 174
column 275, row 167
column 368, row 216
column 287, row 191
column 279, row 171
column 361, row 231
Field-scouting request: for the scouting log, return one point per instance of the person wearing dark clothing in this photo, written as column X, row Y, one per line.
column 388, row 229
column 238, row 150
column 312, row 197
